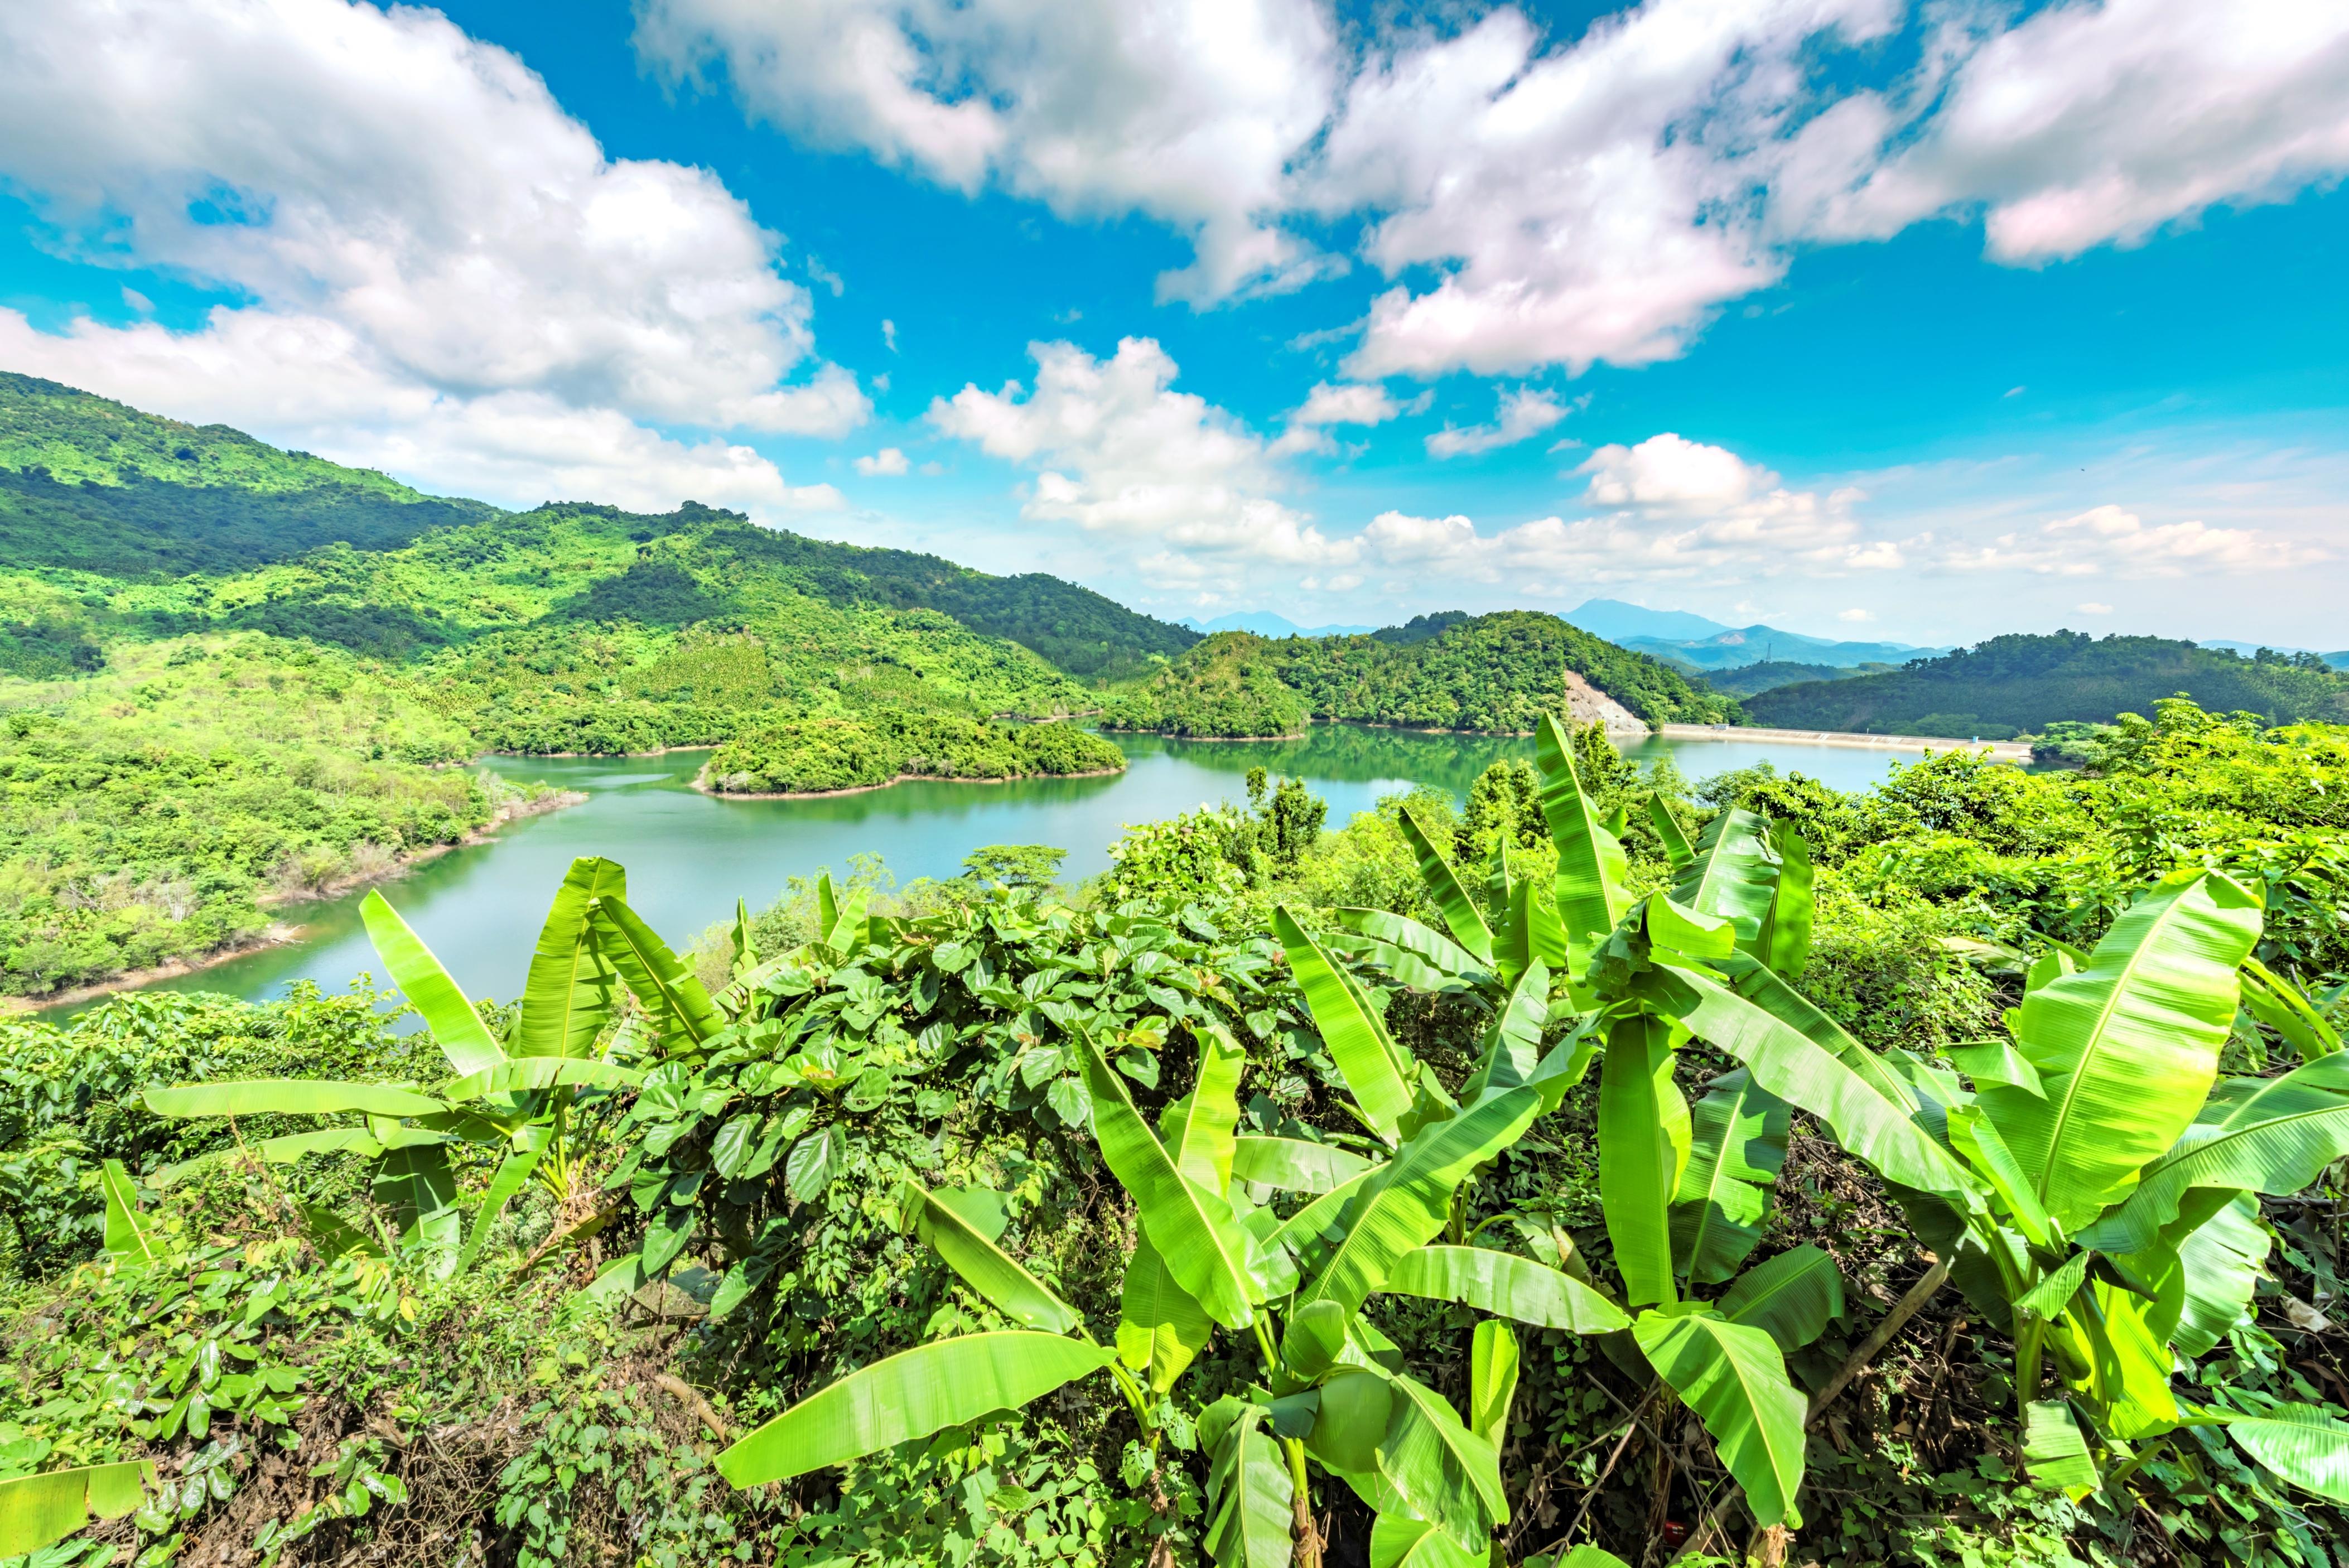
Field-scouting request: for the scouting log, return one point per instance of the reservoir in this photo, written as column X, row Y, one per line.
column 689, row 856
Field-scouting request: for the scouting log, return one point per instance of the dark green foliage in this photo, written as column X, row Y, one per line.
column 820, row 754
column 378, row 631
column 2021, row 683
column 1292, row 814
column 1496, row 674
column 651, row 594
column 1419, row 628
column 1746, row 680
column 47, row 650
column 1014, row 865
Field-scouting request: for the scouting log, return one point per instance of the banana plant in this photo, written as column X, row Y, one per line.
column 2093, row 1180
column 517, row 1095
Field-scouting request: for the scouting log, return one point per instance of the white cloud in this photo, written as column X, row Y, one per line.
column 1188, row 110
column 1856, row 615
column 888, row 460
column 2090, row 607
column 1667, row 471
column 2106, row 541
column 1525, row 412
column 2092, row 124
column 427, row 240
column 1343, row 403
column 1117, row 452
column 889, row 334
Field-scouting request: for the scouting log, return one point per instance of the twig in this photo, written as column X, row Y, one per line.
column 1902, row 1311
column 1590, row 1493
column 690, row 1397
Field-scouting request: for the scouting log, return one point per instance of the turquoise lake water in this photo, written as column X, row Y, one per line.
column 689, row 856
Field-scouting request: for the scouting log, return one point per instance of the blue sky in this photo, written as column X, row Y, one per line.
column 1860, row 318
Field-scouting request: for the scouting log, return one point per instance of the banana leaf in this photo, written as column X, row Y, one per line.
column 1784, row 943
column 910, row 1394
column 1638, row 1170
column 1792, row 1297
column 2127, row 1048
column 1737, row 1147
column 1997, row 1061
column 1402, row 1539
column 289, row 1096
column 1506, row 1285
column 1735, row 1379
column 38, row 1510
column 1404, row 1202
column 1668, row 829
column 512, row 1172
column 987, row 1268
column 1294, row 1165
column 1461, row 916
column 1443, row 1470
column 2055, row 1454
column 2304, row 1445
column 667, row 990
column 1416, row 956
column 1200, row 1125
column 456, row 1028
column 2280, row 1004
column 1192, row 1228
column 2129, row 1363
column 1976, row 1137
column 744, row 955
column 126, row 1237
column 1731, row 875
column 1251, row 1498
column 524, row 1075
column 1590, row 863
column 1161, row 1326
column 566, row 997
column 1512, row 1046
column 1492, row 1380
column 420, row 1190
column 2223, row 1260
column 1371, row 1063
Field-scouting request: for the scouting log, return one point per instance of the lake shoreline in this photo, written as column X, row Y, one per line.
column 700, row 786
column 278, row 933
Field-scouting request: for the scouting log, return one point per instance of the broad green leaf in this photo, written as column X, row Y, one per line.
column 1769, row 991
column 285, row 1150
column 2054, row 1452
column 38, row 1510
column 126, row 1238
column 662, row 985
column 847, row 928
column 334, row 1236
column 1976, row 1137
column 289, row 1096
column 1512, row 1046
column 2223, row 1260
column 984, row 1266
column 2280, row 1005
column 2129, row 1363
column 1199, row 1126
column 1785, row 938
column 1294, row 1165
column 1638, row 1170
column 1683, row 932
column 1492, row 1379
column 528, row 1074
column 1731, row 876
column 456, row 1028
column 1161, row 1326
column 2053, row 1294
column 909, row 1394
column 744, row 955
column 1791, row 1065
column 1461, row 916
column 1544, row 934
column 813, row 1162
column 1735, row 1380
column 1405, row 1202
column 1668, row 829
column 2127, row 1048
column 1737, row 1149
column 1423, row 959
column 827, row 907
column 2304, row 1445
column 1590, row 1557
column 1372, row 1063
column 1251, row 1499
column 2275, row 1140
column 417, row 1185
column 1442, row 1470
column 1590, row 864
column 566, row 998
column 1505, row 1285
column 512, row 1172
column 1317, row 1218
column 1792, row 1297
column 1398, row 1539
column 1997, row 1061
column 1194, row 1228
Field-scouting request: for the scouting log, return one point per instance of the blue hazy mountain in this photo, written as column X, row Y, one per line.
column 1701, row 644
column 1265, row 624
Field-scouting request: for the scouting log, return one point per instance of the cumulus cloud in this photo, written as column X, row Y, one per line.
column 888, row 462
column 412, row 213
column 1344, row 403
column 1525, row 412
column 1188, row 110
column 1117, row 452
column 2107, row 541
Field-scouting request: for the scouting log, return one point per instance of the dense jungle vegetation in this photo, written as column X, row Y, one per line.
column 1495, row 673
column 2020, row 684
column 1598, row 1171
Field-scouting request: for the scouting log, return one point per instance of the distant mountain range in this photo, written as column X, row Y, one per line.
column 1265, row 624
column 1702, row 645
column 2339, row 661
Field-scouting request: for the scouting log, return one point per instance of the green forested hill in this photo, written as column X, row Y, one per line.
column 1748, row 679
column 1495, row 673
column 2020, row 683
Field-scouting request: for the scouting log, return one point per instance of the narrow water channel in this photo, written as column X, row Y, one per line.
column 689, row 857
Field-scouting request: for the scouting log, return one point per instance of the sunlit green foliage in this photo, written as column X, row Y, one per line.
column 818, row 754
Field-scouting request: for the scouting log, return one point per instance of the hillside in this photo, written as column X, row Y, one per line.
column 2020, row 684
column 1492, row 673
column 1745, row 680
